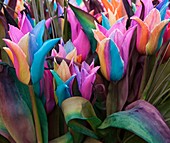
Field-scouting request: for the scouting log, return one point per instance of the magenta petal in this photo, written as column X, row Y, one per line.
column 25, row 24
column 74, row 23
column 48, row 92
column 126, row 45
column 117, row 36
column 120, row 24
column 82, row 45
column 12, row 33
column 86, row 87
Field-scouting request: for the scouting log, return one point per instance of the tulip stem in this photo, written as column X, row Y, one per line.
column 35, row 115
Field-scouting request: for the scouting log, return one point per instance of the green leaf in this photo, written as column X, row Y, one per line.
column 160, row 83
column 143, row 119
column 78, row 109
column 67, row 138
column 87, row 22
column 164, row 109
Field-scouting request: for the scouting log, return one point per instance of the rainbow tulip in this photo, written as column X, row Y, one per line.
column 78, row 37
column 113, row 48
column 27, row 50
column 150, row 32
column 68, row 51
column 85, row 78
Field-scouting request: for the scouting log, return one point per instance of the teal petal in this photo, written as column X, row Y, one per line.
column 117, row 64
column 161, row 38
column 162, row 8
column 38, row 31
column 105, row 22
column 62, row 90
column 37, row 68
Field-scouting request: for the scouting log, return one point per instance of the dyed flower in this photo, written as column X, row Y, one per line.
column 113, row 49
column 78, row 37
column 27, row 52
column 68, row 51
column 115, row 10
column 150, row 32
column 62, row 89
column 85, row 78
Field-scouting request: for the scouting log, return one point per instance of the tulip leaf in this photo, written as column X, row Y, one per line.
column 76, row 110
column 67, row 138
column 37, row 68
column 4, row 134
column 13, row 109
column 24, row 91
column 165, row 110
column 141, row 118
column 87, row 22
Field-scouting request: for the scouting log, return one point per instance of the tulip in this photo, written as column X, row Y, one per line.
column 115, row 10
column 68, row 51
column 78, row 37
column 113, row 49
column 62, row 89
column 150, row 32
column 27, row 52
column 85, row 78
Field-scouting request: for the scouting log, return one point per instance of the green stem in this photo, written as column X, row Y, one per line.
column 35, row 114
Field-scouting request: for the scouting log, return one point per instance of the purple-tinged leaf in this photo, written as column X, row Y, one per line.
column 143, row 119
column 14, row 112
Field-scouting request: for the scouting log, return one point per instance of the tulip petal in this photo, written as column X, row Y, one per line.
column 116, row 62
column 20, row 62
column 25, row 24
column 38, row 31
column 102, row 58
column 99, row 36
column 63, row 71
column 142, row 35
column 126, row 46
column 105, row 22
column 155, row 39
column 62, row 90
column 74, row 23
column 120, row 24
column 87, row 22
column 162, row 7
column 15, row 34
column 82, row 45
column 33, row 47
column 117, row 36
column 10, row 54
column 152, row 19
column 48, row 93
column 23, row 44
column 108, row 5
column 86, row 87
column 37, row 68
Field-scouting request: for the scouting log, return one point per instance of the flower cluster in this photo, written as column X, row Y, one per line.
column 98, row 64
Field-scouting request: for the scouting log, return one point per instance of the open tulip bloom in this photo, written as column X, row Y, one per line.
column 85, row 71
